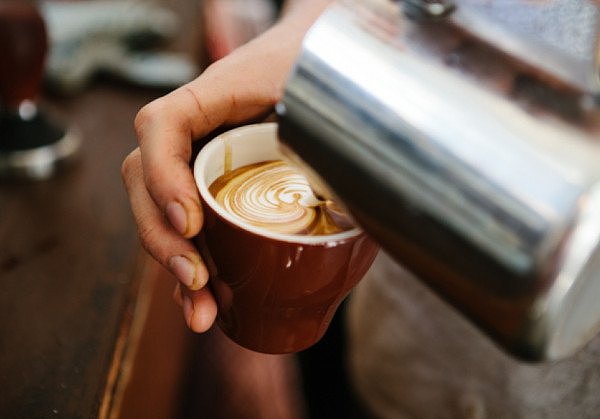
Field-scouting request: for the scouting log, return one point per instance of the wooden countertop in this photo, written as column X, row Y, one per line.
column 71, row 264
column 67, row 262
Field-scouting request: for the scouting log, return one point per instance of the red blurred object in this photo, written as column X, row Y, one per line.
column 23, row 42
column 231, row 23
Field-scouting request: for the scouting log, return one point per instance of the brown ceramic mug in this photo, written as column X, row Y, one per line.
column 276, row 292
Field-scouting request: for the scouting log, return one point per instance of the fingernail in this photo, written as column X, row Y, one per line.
column 183, row 269
column 177, row 216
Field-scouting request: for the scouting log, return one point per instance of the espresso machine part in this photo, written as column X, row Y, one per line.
column 31, row 145
column 470, row 162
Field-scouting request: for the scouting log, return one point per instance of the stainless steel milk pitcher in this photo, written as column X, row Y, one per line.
column 470, row 162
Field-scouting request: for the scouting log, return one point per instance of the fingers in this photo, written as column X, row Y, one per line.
column 242, row 86
column 199, row 309
column 161, row 186
column 166, row 148
column 157, row 236
column 166, row 129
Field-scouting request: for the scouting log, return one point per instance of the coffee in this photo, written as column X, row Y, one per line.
column 274, row 196
column 276, row 274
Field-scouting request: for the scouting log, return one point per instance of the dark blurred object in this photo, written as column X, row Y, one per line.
column 328, row 390
column 23, row 44
column 231, row 382
column 30, row 145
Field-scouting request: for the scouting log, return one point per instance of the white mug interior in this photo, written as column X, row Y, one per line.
column 240, row 147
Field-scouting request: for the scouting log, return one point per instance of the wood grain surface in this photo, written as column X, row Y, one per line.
column 67, row 260
column 70, row 260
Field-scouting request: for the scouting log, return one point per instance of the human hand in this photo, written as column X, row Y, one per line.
column 165, row 203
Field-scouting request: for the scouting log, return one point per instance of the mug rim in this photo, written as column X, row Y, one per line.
column 200, row 163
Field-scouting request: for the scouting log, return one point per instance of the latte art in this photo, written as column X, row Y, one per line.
column 274, row 196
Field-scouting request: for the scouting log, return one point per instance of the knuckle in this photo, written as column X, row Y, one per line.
column 152, row 179
column 145, row 116
column 147, row 235
column 128, row 166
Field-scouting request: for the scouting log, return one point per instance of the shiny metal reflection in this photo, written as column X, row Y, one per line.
column 495, row 207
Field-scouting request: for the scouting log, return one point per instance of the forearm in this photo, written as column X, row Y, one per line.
column 301, row 14
column 268, row 58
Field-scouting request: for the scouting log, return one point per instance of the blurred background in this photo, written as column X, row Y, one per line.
column 88, row 327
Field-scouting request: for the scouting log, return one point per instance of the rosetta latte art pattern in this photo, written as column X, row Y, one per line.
column 274, row 196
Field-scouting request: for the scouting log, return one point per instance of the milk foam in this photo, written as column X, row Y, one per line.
column 274, row 196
